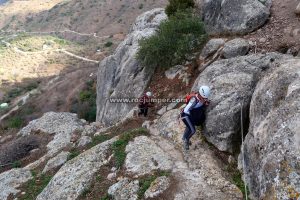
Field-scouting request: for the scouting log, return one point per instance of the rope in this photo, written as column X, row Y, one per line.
column 243, row 155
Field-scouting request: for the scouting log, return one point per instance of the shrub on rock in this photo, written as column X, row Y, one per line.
column 178, row 5
column 176, row 38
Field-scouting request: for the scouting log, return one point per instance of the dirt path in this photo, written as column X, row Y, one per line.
column 17, row 50
column 282, row 31
column 53, row 32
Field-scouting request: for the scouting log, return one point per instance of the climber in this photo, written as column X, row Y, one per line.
column 145, row 103
column 193, row 113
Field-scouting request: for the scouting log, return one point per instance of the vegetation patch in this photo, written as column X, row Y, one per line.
column 35, row 186
column 73, row 153
column 20, row 90
column 108, row 44
column 176, row 40
column 15, row 122
column 237, row 178
column 120, row 145
column 175, row 6
column 145, row 182
column 99, row 139
column 85, row 104
column 16, row 164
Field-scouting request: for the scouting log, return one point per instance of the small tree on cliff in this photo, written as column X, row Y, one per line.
column 176, row 39
column 178, row 5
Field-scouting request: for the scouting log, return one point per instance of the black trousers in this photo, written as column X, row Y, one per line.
column 190, row 129
column 143, row 110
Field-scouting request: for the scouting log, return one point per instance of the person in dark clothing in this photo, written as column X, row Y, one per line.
column 194, row 113
column 145, row 103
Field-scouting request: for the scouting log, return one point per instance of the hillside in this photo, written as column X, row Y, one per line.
column 71, row 86
column 104, row 17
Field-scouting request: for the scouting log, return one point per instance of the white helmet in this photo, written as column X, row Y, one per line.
column 204, row 91
column 149, row 94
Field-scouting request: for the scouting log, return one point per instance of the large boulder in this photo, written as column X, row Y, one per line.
column 76, row 175
column 120, row 75
column 11, row 180
column 124, row 189
column 211, row 47
column 272, row 145
column 234, row 16
column 60, row 125
column 57, row 161
column 232, row 82
column 144, row 157
column 235, row 47
column 158, row 186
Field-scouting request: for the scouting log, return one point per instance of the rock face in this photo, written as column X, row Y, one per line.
column 235, row 47
column 144, row 156
column 158, row 186
column 212, row 47
column 61, row 125
column 168, row 126
column 272, row 145
column 232, row 82
column 198, row 172
column 234, row 16
column 57, row 161
column 124, row 189
column 297, row 11
column 76, row 175
column 11, row 180
column 120, row 75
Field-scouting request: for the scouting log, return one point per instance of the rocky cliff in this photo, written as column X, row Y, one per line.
column 272, row 145
column 120, row 75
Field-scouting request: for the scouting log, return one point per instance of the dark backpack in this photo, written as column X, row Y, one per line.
column 197, row 114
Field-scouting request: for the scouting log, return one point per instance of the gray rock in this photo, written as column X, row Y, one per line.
column 212, row 47
column 61, row 125
column 111, row 176
column 57, row 161
column 76, row 175
column 272, row 145
column 174, row 71
column 235, row 47
column 234, row 16
column 232, row 82
column 158, row 186
column 168, row 126
column 89, row 130
column 172, row 106
column 84, row 140
column 11, row 180
column 144, row 156
column 146, row 124
column 297, row 11
column 162, row 111
column 124, row 189
column 120, row 75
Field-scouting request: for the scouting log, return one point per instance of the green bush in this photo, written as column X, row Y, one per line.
column 108, row 44
column 178, row 5
column 85, row 105
column 176, row 39
column 15, row 122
